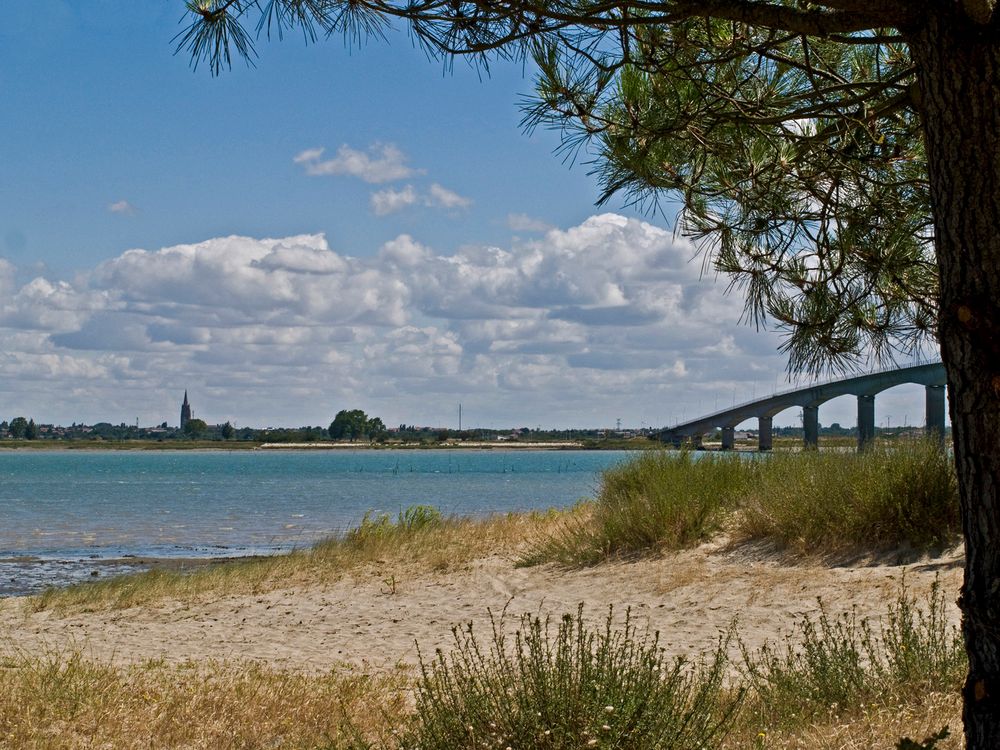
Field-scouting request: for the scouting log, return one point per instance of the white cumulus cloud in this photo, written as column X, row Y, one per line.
column 437, row 195
column 390, row 200
column 382, row 162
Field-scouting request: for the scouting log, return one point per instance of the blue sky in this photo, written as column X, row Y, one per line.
column 335, row 228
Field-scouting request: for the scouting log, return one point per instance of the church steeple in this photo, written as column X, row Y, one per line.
column 185, row 410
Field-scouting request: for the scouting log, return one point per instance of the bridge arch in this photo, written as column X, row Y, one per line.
column 864, row 387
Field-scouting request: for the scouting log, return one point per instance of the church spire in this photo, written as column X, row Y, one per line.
column 185, row 410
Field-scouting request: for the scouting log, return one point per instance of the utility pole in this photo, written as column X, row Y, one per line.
column 460, row 417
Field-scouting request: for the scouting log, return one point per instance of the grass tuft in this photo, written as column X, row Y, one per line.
column 906, row 493
column 809, row 502
column 660, row 500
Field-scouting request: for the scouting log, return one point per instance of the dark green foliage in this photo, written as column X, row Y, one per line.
column 195, row 427
column 18, row 427
column 572, row 688
column 354, row 424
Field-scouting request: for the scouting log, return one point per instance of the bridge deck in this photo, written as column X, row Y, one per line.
column 867, row 385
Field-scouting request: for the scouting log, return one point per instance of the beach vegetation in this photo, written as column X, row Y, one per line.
column 61, row 700
column 379, row 526
column 837, row 681
column 659, row 500
column 843, row 665
column 561, row 685
column 891, row 495
column 814, row 502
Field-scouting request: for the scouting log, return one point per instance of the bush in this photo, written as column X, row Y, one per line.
column 571, row 689
column 884, row 497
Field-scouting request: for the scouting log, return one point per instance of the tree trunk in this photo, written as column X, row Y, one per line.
column 958, row 65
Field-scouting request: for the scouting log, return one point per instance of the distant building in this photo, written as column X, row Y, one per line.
column 185, row 411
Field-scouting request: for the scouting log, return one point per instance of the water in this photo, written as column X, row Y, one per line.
column 67, row 515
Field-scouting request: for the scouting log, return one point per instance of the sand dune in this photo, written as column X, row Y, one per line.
column 374, row 619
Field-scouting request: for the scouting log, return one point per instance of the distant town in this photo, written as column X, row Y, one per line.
column 354, row 426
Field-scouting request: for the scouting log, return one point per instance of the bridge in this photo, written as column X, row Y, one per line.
column 864, row 387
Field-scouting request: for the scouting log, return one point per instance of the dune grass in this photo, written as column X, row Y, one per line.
column 809, row 502
column 659, row 500
column 562, row 686
column 417, row 541
column 904, row 493
column 838, row 668
column 835, row 683
column 62, row 700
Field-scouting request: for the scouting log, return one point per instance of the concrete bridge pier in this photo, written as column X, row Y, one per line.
column 810, row 424
column 866, row 420
column 934, row 411
column 728, row 438
column 765, row 441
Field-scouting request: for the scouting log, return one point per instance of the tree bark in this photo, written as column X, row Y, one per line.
column 958, row 64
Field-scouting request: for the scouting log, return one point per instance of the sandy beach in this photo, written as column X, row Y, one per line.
column 375, row 618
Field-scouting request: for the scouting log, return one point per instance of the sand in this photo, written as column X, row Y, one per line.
column 374, row 619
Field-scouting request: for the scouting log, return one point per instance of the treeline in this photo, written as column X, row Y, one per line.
column 349, row 425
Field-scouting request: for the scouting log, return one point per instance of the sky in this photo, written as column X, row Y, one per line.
column 339, row 227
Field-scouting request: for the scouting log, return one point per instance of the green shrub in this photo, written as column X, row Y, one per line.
column 574, row 688
column 884, row 497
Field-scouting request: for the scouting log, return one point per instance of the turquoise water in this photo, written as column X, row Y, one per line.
column 66, row 515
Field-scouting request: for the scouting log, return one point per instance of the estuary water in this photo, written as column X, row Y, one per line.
column 73, row 515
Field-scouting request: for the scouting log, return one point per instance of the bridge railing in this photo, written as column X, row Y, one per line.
column 797, row 389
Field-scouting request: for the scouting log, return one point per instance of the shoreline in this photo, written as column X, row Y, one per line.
column 239, row 446
column 38, row 574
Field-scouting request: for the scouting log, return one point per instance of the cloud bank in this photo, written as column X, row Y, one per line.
column 577, row 327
